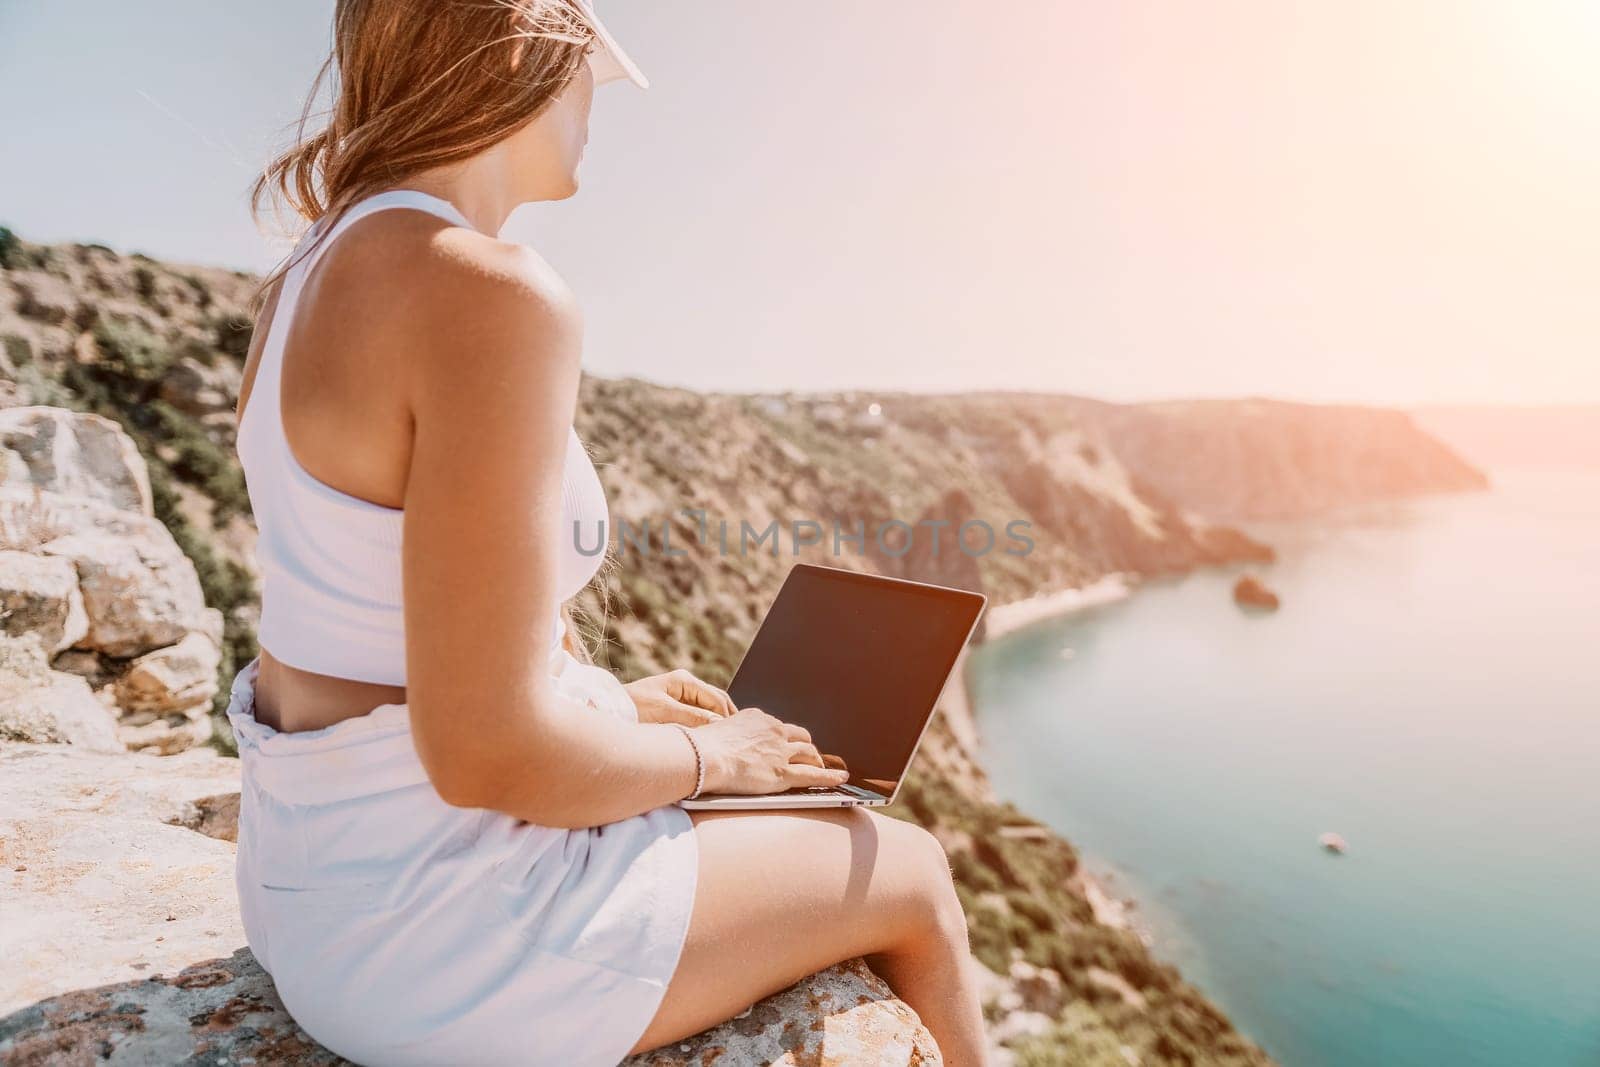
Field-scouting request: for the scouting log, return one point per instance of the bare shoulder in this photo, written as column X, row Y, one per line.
column 445, row 291
column 464, row 265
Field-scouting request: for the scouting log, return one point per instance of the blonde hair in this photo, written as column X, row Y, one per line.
column 417, row 84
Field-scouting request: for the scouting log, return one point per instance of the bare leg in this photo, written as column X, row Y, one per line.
column 783, row 894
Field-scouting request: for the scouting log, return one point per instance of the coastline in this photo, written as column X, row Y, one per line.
column 1003, row 619
column 957, row 706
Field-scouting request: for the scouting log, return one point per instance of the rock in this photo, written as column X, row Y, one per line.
column 844, row 1015
column 46, row 297
column 90, row 666
column 42, row 705
column 211, row 624
column 122, row 937
column 1038, row 988
column 74, row 454
column 39, row 595
column 165, row 696
column 1252, row 592
column 107, row 891
column 215, row 1011
column 139, row 589
column 215, row 816
column 197, row 389
column 171, row 679
column 164, row 735
column 75, row 571
column 30, row 517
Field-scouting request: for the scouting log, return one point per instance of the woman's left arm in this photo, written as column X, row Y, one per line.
column 678, row 696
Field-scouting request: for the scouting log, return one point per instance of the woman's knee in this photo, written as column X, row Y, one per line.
column 938, row 909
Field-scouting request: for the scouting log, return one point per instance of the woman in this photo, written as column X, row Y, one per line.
column 459, row 843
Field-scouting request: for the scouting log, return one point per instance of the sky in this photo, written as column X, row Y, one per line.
column 1380, row 201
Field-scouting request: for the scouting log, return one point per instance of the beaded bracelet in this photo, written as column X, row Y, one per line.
column 699, row 762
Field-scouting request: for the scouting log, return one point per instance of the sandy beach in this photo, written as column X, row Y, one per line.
column 1003, row 619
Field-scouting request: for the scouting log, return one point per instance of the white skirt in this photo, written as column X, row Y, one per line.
column 401, row 930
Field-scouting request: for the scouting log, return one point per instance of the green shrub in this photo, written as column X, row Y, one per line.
column 135, row 352
column 201, row 462
column 18, row 350
column 144, row 281
column 202, row 291
column 11, row 252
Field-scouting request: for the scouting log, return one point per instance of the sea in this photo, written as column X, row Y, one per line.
column 1429, row 690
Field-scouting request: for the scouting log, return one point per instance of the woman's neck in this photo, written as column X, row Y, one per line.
column 481, row 188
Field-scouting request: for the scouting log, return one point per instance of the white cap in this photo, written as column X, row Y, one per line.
column 606, row 58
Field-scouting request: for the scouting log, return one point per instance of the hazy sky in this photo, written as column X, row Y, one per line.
column 1378, row 200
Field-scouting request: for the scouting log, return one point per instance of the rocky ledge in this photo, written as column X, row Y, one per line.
column 123, row 944
column 105, row 637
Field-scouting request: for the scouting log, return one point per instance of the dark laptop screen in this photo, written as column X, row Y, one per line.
column 859, row 661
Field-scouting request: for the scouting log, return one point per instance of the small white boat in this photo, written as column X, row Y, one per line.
column 1333, row 842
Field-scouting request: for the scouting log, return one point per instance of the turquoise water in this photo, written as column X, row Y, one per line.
column 1431, row 690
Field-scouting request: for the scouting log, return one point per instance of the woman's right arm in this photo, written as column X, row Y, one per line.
column 491, row 375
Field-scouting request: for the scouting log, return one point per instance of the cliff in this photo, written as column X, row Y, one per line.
column 157, row 349
column 1232, row 460
column 1553, row 437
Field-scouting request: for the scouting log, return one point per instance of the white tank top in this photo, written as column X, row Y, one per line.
column 331, row 597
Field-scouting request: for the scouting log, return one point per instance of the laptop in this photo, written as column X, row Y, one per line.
column 859, row 660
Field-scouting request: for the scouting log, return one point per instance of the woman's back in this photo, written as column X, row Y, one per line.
column 330, row 371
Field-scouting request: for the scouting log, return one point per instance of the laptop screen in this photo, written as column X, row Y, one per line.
column 859, row 661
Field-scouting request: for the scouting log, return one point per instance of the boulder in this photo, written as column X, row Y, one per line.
column 73, row 454
column 163, row 735
column 140, row 591
column 172, row 679
column 122, row 939
column 196, row 388
column 165, row 696
column 39, row 704
column 39, row 595
column 93, row 585
column 844, row 1015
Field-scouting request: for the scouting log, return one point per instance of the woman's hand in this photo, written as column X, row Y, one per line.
column 751, row 753
column 679, row 697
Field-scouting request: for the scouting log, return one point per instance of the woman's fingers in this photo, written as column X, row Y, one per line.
column 796, row 733
column 691, row 690
column 689, row 715
column 804, row 776
column 804, row 752
column 724, row 702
